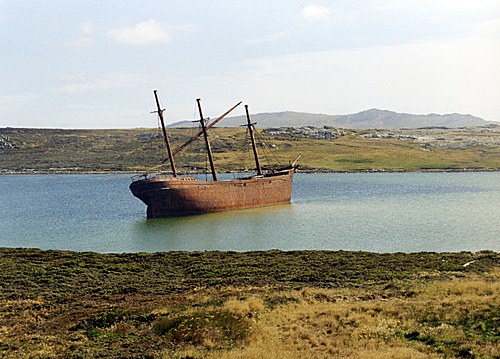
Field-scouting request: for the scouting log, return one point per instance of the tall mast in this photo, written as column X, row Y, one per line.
column 250, row 129
column 178, row 149
column 165, row 136
column 207, row 142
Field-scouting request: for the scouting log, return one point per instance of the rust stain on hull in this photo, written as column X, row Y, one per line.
column 169, row 197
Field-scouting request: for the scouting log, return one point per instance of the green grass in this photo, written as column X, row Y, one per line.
column 47, row 150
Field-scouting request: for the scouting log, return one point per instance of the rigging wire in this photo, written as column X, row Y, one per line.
column 157, row 167
column 243, row 156
column 268, row 152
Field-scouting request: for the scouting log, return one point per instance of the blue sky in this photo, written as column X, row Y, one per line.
column 94, row 64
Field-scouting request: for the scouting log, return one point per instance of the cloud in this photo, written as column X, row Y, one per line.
column 85, row 40
column 317, row 13
column 82, row 43
column 86, row 28
column 14, row 101
column 78, row 83
column 447, row 6
column 459, row 75
column 142, row 34
column 268, row 38
column 467, row 6
column 488, row 29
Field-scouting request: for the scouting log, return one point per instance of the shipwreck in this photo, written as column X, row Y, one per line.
column 172, row 195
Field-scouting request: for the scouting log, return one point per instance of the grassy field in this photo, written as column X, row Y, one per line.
column 141, row 150
column 271, row 304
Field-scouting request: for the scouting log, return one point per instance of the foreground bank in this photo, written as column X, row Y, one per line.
column 255, row 304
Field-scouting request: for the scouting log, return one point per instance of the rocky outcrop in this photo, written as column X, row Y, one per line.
column 6, row 143
column 321, row 133
column 458, row 138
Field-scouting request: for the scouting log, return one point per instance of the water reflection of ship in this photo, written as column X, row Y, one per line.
column 169, row 196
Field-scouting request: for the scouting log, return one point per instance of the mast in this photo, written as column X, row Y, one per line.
column 178, row 149
column 165, row 137
column 254, row 147
column 207, row 142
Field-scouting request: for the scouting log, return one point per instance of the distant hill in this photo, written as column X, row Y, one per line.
column 373, row 118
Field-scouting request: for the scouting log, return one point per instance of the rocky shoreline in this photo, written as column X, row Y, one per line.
column 299, row 170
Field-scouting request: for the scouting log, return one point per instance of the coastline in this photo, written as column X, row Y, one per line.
column 140, row 150
column 306, row 171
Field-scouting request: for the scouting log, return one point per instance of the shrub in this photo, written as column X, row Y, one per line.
column 102, row 320
column 214, row 328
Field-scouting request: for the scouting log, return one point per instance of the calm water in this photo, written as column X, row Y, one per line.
column 382, row 212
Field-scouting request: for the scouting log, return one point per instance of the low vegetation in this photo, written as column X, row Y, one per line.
column 272, row 304
column 141, row 150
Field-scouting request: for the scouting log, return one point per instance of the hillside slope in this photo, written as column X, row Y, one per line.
column 137, row 150
column 369, row 119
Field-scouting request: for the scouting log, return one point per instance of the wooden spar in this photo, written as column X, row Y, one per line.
column 165, row 136
column 294, row 163
column 207, row 142
column 254, row 147
column 179, row 149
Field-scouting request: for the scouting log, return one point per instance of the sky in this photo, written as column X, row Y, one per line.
column 94, row 64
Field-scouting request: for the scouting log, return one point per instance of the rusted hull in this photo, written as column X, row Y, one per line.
column 169, row 197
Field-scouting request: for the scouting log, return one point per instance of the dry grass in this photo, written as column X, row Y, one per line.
column 302, row 304
column 326, row 323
